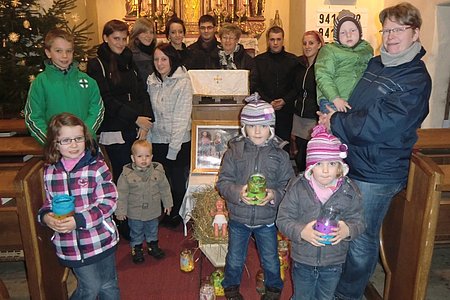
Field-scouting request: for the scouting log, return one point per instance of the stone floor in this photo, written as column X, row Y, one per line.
column 13, row 275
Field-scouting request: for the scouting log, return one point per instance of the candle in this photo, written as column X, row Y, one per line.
column 219, row 2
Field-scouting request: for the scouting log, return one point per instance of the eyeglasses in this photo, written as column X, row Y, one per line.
column 67, row 141
column 394, row 30
column 204, row 28
column 228, row 37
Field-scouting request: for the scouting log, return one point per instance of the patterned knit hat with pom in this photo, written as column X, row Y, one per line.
column 257, row 112
column 324, row 146
column 345, row 15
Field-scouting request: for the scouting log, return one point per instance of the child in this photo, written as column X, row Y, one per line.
column 62, row 87
column 205, row 144
column 85, row 241
column 258, row 150
column 340, row 65
column 324, row 184
column 142, row 186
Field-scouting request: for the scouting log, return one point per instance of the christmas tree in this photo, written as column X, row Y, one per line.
column 22, row 32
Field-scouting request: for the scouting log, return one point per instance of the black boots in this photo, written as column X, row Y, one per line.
column 232, row 293
column 155, row 251
column 271, row 294
column 137, row 254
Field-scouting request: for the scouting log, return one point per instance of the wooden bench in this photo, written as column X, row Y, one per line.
column 408, row 233
column 21, row 237
column 435, row 144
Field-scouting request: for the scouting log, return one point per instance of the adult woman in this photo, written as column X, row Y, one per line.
column 128, row 113
column 171, row 96
column 388, row 105
column 175, row 32
column 305, row 117
column 232, row 55
column 142, row 43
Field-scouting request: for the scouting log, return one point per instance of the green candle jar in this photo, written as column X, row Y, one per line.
column 256, row 187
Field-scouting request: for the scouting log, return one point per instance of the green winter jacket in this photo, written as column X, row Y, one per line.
column 338, row 68
column 53, row 92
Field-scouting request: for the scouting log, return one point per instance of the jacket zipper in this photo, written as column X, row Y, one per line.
column 76, row 230
column 304, row 91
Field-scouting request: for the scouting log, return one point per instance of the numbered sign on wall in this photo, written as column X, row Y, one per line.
column 326, row 15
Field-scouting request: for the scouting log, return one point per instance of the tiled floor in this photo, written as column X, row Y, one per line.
column 13, row 275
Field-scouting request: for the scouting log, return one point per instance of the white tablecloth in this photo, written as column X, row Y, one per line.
column 195, row 181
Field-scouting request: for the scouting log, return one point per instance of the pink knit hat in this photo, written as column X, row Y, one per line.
column 324, row 146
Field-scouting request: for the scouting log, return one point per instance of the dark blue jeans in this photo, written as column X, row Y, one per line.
column 143, row 230
column 267, row 245
column 362, row 256
column 97, row 280
column 315, row 283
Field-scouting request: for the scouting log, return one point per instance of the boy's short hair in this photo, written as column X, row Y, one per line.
column 141, row 143
column 344, row 16
column 207, row 19
column 57, row 33
column 274, row 29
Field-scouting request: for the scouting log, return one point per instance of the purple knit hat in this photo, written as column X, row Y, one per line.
column 324, row 146
column 257, row 112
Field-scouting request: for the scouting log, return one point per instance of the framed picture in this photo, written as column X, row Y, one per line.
column 209, row 143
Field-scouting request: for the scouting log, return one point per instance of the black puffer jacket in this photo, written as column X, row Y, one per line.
column 125, row 100
column 203, row 56
column 305, row 82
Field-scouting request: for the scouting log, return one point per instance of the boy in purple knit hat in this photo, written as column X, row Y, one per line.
column 319, row 244
column 254, row 159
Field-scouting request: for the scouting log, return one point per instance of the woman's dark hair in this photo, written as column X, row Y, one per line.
column 174, row 20
column 51, row 152
column 113, row 26
column 109, row 28
column 172, row 54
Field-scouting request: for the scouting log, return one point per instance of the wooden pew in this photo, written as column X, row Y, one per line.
column 46, row 277
column 21, row 237
column 435, row 144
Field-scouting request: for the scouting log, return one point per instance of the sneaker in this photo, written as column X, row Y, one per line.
column 137, row 254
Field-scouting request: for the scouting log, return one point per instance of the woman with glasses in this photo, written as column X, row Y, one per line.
column 388, row 104
column 128, row 112
column 232, row 55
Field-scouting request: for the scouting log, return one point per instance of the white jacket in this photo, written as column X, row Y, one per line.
column 172, row 105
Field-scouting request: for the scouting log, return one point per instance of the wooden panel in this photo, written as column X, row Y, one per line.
column 433, row 138
column 45, row 275
column 408, row 232
column 19, row 145
column 17, row 125
column 7, row 176
column 10, row 231
column 216, row 111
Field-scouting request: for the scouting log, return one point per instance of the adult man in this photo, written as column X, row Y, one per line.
column 275, row 79
column 204, row 52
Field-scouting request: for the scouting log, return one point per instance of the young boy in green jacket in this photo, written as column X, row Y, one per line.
column 62, row 87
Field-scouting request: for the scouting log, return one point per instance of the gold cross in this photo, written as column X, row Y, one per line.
column 217, row 79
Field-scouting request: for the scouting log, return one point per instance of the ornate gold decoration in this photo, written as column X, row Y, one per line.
column 247, row 14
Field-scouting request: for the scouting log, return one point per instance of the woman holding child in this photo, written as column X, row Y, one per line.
column 388, row 104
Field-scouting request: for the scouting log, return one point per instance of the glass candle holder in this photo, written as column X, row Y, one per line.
column 186, row 261
column 256, row 187
column 63, row 206
column 326, row 222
